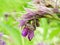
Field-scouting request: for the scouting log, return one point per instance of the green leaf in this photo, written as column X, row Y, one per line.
column 44, row 25
column 54, row 33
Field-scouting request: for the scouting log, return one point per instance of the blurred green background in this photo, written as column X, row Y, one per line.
column 49, row 30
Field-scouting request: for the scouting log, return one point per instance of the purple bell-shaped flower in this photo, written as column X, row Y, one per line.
column 30, row 35
column 25, row 32
column 28, row 32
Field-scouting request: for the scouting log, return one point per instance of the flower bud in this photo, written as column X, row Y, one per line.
column 25, row 32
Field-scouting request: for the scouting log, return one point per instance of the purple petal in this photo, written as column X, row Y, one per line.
column 22, row 22
column 1, row 34
column 56, row 10
column 28, row 10
column 28, row 15
column 40, row 12
column 43, row 8
column 2, row 42
column 41, row 43
column 25, row 32
column 30, row 35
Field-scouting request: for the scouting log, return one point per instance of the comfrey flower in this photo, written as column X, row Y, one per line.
column 30, row 20
column 2, row 42
column 28, row 32
column 25, row 32
column 22, row 22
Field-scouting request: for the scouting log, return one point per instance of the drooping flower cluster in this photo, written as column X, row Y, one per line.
column 30, row 20
column 28, row 32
